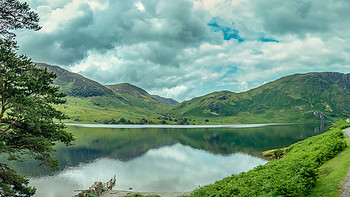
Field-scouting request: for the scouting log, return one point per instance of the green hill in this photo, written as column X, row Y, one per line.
column 295, row 98
column 90, row 102
column 167, row 101
column 76, row 85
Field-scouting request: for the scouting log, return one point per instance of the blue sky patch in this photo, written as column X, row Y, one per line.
column 264, row 39
column 228, row 32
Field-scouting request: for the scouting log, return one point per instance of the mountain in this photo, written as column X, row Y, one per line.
column 91, row 102
column 306, row 97
column 294, row 98
column 126, row 88
column 167, row 101
column 76, row 85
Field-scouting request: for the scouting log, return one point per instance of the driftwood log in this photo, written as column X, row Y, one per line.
column 98, row 188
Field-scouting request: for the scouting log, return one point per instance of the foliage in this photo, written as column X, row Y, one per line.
column 15, row 15
column 11, row 182
column 331, row 174
column 341, row 124
column 293, row 175
column 296, row 98
column 27, row 117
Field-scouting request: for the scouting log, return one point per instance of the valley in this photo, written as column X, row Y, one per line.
column 309, row 97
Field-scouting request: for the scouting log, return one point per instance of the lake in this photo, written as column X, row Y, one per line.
column 160, row 158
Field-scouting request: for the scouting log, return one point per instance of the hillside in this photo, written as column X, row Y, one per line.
column 167, row 101
column 128, row 89
column 76, row 85
column 294, row 98
column 90, row 102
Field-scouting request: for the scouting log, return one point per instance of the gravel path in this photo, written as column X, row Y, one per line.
column 345, row 184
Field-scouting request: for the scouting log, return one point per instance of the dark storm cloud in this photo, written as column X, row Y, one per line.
column 301, row 17
column 187, row 48
column 166, row 27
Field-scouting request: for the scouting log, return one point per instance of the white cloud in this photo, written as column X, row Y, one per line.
column 167, row 47
column 140, row 6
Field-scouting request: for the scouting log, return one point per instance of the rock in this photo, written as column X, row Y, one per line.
column 319, row 114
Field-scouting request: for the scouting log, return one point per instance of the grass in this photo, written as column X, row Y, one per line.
column 96, row 110
column 312, row 167
column 332, row 173
column 293, row 175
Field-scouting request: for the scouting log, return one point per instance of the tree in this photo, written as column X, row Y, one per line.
column 27, row 117
column 27, row 114
column 16, row 15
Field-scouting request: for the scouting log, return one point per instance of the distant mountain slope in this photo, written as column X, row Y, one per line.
column 76, row 85
column 126, row 88
column 295, row 98
column 90, row 102
column 300, row 97
column 167, row 101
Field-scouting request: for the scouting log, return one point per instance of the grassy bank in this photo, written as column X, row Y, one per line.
column 333, row 171
column 314, row 166
column 294, row 175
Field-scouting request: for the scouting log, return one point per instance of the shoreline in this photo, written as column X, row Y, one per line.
column 118, row 193
column 126, row 126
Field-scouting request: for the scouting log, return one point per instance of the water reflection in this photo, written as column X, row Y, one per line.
column 167, row 169
column 128, row 143
column 160, row 159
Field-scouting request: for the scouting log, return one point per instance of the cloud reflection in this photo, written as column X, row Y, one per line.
column 167, row 169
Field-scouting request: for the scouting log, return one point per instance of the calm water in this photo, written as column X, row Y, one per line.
column 166, row 159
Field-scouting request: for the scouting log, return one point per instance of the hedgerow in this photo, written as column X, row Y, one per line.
column 293, row 175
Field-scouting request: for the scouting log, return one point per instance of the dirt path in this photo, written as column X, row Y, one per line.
column 345, row 184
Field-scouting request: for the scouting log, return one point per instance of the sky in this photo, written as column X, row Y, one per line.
column 188, row 48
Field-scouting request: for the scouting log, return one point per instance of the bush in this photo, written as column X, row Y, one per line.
column 293, row 175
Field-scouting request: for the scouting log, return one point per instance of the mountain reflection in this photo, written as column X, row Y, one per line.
column 160, row 159
column 166, row 169
column 128, row 143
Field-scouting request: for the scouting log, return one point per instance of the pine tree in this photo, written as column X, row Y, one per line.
column 27, row 99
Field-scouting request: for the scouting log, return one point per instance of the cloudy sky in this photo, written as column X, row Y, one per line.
column 187, row 48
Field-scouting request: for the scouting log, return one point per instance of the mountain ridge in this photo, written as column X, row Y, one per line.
column 307, row 97
column 324, row 94
column 76, row 85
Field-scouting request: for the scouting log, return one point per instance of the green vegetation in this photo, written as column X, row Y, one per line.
column 110, row 110
column 76, row 85
column 333, row 171
column 26, row 118
column 27, row 97
column 293, row 175
column 296, row 98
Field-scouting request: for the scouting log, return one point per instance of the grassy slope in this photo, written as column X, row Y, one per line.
column 290, row 99
column 76, row 85
column 98, row 109
column 333, row 171
column 91, row 102
column 293, row 98
column 293, row 175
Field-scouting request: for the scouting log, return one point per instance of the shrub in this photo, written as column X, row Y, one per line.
column 293, row 175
